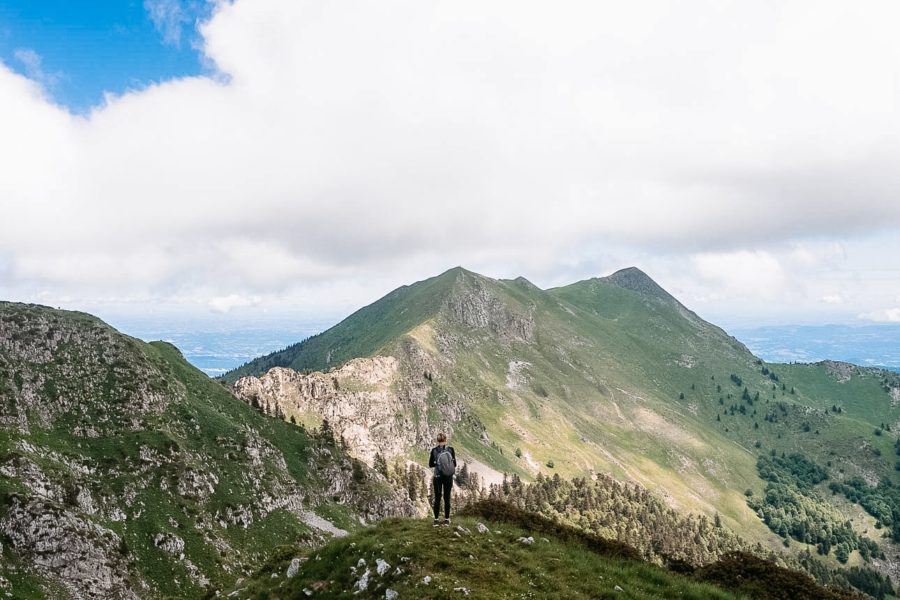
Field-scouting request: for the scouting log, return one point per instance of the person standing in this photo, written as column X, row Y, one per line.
column 443, row 461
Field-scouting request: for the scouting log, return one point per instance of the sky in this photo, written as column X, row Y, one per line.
column 292, row 159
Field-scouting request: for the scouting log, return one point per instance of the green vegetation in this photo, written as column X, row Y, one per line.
column 150, row 448
column 625, row 513
column 490, row 565
column 362, row 333
column 614, row 375
column 791, row 508
column 606, row 376
column 518, row 554
column 881, row 501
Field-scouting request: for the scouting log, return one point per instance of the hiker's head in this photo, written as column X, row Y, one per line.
column 442, row 438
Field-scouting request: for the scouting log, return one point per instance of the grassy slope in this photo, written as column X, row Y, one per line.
column 489, row 565
column 361, row 334
column 603, row 381
column 206, row 431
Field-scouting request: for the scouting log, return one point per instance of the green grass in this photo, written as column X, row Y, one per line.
column 362, row 333
column 491, row 565
column 19, row 581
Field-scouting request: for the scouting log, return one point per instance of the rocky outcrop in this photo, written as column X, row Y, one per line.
column 359, row 401
column 841, row 371
column 474, row 304
column 86, row 559
column 51, row 364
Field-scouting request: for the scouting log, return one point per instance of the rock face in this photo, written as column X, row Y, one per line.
column 374, row 404
column 358, row 401
column 474, row 304
column 86, row 558
column 52, row 363
column 397, row 400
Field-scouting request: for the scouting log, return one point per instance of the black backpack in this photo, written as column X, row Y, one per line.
column 444, row 465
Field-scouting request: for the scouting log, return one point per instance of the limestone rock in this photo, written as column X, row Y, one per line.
column 293, row 568
column 85, row 558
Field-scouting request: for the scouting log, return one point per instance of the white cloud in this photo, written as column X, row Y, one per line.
column 224, row 304
column 370, row 144
column 833, row 299
column 169, row 17
column 887, row 315
column 757, row 275
column 33, row 64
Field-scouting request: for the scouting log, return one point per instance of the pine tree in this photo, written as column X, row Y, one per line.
column 380, row 464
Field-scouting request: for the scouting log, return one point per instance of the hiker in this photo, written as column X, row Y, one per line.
column 443, row 460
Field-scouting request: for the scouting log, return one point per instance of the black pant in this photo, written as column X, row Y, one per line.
column 442, row 485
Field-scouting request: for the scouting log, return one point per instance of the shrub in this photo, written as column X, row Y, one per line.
column 763, row 579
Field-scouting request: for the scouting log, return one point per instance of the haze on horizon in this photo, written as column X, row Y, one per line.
column 305, row 159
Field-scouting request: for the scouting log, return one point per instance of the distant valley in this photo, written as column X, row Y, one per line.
column 870, row 345
column 217, row 346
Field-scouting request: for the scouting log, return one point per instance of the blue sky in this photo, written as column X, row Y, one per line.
column 81, row 49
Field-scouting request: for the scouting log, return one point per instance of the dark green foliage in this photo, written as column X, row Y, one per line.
column 842, row 553
column 882, row 501
column 869, row 582
column 538, row 389
column 380, row 464
column 764, row 580
column 793, row 469
column 792, row 509
column 359, row 472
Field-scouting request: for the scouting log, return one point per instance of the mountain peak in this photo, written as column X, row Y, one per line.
column 632, row 278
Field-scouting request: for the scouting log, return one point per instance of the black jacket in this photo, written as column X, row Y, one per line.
column 432, row 460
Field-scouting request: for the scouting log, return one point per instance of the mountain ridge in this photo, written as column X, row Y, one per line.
column 606, row 375
column 444, row 285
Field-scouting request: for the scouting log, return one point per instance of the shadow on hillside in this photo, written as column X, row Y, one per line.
column 736, row 572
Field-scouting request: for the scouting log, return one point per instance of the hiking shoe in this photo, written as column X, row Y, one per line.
column 436, row 522
column 446, row 521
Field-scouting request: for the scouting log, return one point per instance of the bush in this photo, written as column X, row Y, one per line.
column 763, row 579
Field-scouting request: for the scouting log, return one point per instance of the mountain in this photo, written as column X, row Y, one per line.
column 608, row 375
column 125, row 472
